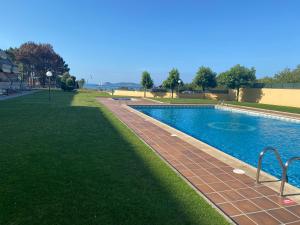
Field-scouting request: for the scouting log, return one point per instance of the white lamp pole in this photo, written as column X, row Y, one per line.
column 179, row 82
column 49, row 74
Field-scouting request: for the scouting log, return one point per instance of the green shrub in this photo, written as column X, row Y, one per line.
column 68, row 82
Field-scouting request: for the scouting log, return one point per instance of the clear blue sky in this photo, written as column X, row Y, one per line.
column 116, row 40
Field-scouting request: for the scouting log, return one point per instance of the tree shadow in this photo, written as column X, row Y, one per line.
column 251, row 95
column 77, row 164
column 158, row 94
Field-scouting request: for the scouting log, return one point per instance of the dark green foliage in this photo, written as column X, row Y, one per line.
column 237, row 77
column 222, row 79
column 58, row 81
column 38, row 59
column 11, row 53
column 285, row 76
column 288, row 76
column 146, row 81
column 172, row 81
column 205, row 78
column 266, row 80
column 68, row 82
column 159, row 89
column 81, row 83
column 189, row 87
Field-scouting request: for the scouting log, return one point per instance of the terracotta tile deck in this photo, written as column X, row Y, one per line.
column 238, row 196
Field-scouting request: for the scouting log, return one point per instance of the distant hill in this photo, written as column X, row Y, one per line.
column 109, row 86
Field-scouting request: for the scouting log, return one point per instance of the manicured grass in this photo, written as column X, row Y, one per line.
column 71, row 161
column 266, row 106
column 248, row 104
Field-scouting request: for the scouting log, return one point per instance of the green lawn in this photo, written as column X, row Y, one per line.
column 72, row 162
column 249, row 104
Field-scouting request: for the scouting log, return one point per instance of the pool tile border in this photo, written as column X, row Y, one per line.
column 238, row 196
column 287, row 118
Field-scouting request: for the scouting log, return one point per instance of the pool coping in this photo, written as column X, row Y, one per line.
column 203, row 147
column 288, row 115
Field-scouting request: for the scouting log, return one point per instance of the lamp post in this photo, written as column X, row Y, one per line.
column 49, row 74
column 179, row 82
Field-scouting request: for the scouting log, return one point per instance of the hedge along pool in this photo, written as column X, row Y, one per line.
column 238, row 134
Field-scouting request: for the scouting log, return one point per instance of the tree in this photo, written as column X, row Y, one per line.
column 11, row 53
column 67, row 82
column 189, row 87
column 37, row 59
column 221, row 79
column 205, row 78
column 172, row 81
column 237, row 77
column 70, row 83
column 146, row 81
column 288, row 76
column 81, row 83
column 21, row 74
column 267, row 80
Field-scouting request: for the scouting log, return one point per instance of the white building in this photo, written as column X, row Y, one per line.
column 6, row 65
column 8, row 73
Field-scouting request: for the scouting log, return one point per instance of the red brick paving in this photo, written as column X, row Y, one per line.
column 238, row 196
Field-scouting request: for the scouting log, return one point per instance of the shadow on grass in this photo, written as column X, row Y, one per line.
column 63, row 164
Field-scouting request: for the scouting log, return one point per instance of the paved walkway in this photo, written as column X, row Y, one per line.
column 238, row 196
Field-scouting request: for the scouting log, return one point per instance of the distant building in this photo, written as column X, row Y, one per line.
column 8, row 70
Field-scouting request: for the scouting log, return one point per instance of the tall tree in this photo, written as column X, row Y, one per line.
column 221, row 79
column 11, row 53
column 146, row 81
column 267, row 80
column 237, row 77
column 205, row 78
column 288, row 75
column 172, row 81
column 38, row 58
column 67, row 82
column 81, row 83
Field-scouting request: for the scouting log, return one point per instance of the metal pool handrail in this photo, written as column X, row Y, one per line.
column 221, row 102
column 284, row 173
column 262, row 153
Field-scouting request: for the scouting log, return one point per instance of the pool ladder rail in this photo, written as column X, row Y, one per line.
column 221, row 102
column 284, row 167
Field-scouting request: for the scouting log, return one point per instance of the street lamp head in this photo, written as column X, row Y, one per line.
column 49, row 74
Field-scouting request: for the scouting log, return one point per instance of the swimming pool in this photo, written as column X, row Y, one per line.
column 238, row 134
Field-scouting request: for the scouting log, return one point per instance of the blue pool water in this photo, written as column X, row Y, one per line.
column 238, row 134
